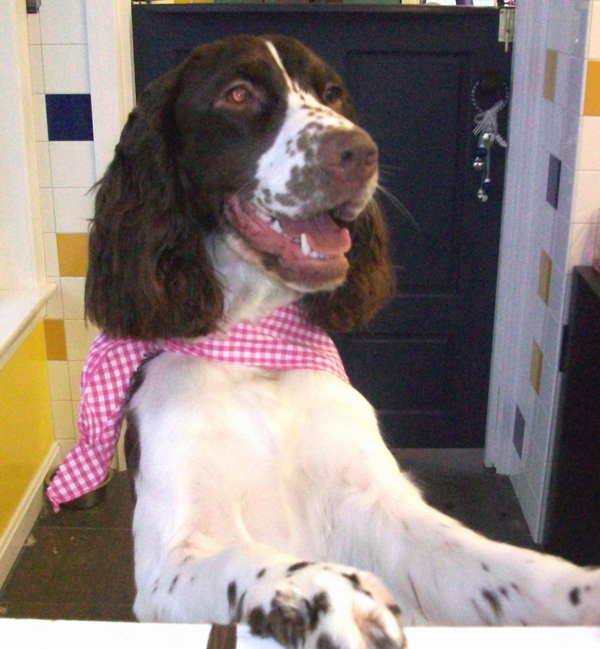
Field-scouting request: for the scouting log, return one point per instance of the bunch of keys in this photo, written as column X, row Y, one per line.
column 486, row 128
column 482, row 163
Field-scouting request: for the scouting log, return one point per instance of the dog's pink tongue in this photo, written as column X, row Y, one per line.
column 324, row 235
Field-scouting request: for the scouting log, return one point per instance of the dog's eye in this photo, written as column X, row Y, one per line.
column 238, row 95
column 332, row 93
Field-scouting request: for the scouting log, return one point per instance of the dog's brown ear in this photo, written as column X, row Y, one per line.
column 149, row 275
column 371, row 278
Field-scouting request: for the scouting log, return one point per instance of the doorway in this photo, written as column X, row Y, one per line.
column 415, row 76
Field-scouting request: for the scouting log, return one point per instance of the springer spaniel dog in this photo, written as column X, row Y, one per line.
column 241, row 193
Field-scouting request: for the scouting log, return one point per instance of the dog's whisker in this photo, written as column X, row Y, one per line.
column 404, row 211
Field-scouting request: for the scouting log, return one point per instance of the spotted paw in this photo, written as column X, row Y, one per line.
column 325, row 606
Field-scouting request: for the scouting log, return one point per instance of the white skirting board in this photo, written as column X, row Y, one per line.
column 24, row 518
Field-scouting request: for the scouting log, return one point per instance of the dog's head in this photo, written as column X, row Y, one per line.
column 252, row 139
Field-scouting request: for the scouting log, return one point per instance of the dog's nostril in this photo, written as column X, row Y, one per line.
column 348, row 155
column 359, row 155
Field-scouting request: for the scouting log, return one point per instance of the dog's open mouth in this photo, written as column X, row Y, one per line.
column 319, row 239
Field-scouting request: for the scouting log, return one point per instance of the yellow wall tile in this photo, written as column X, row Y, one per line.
column 26, row 433
column 545, row 278
column 550, row 74
column 72, row 254
column 56, row 344
column 591, row 105
column 537, row 362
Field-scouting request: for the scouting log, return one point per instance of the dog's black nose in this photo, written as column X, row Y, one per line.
column 350, row 155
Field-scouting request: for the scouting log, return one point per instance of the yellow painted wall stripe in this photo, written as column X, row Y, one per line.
column 26, row 433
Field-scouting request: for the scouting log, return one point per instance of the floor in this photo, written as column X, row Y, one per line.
column 78, row 564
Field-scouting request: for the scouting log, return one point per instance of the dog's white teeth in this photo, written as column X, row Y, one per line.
column 264, row 217
column 305, row 246
column 307, row 251
column 276, row 225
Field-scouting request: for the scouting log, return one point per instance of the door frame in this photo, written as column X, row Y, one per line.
column 112, row 87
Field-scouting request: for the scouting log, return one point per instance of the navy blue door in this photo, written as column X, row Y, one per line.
column 425, row 361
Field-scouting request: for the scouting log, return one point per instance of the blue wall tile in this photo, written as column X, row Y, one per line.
column 553, row 187
column 69, row 117
column 519, row 431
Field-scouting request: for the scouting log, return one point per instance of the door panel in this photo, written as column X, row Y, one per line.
column 424, row 362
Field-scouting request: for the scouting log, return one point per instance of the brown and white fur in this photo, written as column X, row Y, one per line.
column 265, row 497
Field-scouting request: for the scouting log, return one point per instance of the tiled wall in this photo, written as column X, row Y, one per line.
column 567, row 188
column 64, row 137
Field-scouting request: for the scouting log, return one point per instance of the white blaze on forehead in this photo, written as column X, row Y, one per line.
column 275, row 55
column 305, row 115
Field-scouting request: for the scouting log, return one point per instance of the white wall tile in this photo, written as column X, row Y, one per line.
column 40, row 120
column 33, row 29
column 560, row 244
column 567, row 183
column 528, row 501
column 60, row 385
column 72, row 294
column 537, row 310
column 550, row 345
column 73, row 208
column 66, row 69
column 557, row 293
column 589, row 150
column 37, row 69
column 574, row 83
column 561, row 97
column 43, row 164
column 555, row 137
column 75, row 370
column 62, row 420
column 581, row 249
column 66, row 446
column 72, row 164
column 559, row 25
column 54, row 310
column 539, row 183
column 594, row 42
column 79, row 337
column 75, row 406
column 51, row 254
column 47, row 209
column 545, row 228
column 587, row 197
column 570, row 133
column 536, row 459
column 579, row 28
column 63, row 21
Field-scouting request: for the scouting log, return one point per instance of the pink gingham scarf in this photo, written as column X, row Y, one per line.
column 282, row 340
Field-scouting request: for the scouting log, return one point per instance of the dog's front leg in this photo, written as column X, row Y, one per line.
column 296, row 602
column 444, row 574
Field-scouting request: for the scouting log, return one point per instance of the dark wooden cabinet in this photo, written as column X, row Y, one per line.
column 573, row 519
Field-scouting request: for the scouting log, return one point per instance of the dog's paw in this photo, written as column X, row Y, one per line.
column 585, row 598
column 323, row 606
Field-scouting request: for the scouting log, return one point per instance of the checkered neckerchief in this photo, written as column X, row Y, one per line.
column 282, row 341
